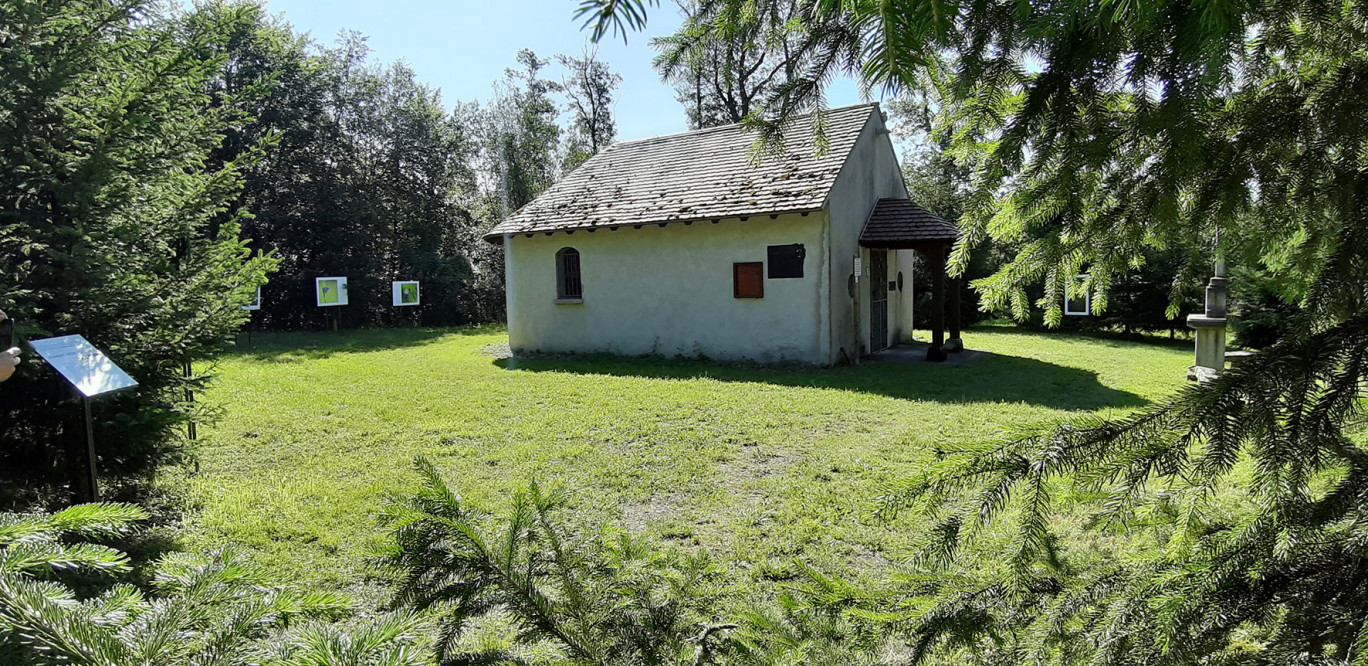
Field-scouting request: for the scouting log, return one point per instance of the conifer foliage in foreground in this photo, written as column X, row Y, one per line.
column 1098, row 132
column 600, row 597
column 62, row 602
column 609, row 600
column 1278, row 580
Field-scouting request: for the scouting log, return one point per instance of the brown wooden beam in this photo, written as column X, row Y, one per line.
column 954, row 344
column 936, row 352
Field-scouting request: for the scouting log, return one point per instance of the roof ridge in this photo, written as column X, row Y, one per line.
column 730, row 126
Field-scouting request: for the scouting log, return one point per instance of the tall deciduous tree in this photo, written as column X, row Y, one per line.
column 727, row 66
column 589, row 86
column 368, row 177
column 114, row 223
column 520, row 134
column 1102, row 130
column 519, row 144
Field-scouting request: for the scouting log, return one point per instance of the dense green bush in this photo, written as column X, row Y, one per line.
column 113, row 222
column 1264, row 307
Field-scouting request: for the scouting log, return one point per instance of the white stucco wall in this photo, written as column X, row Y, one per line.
column 871, row 173
column 669, row 291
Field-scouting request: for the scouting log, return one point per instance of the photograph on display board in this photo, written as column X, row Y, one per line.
column 256, row 301
column 331, row 291
column 405, row 293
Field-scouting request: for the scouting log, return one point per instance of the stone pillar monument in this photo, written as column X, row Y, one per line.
column 1211, row 329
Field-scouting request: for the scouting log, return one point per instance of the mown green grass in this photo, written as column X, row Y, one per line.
column 761, row 466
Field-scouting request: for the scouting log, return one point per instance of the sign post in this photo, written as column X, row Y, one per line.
column 406, row 294
column 250, row 308
column 330, row 292
column 92, row 374
column 92, row 478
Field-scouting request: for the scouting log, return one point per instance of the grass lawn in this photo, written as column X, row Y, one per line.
column 761, row 466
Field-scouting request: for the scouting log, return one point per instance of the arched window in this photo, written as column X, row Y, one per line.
column 568, row 283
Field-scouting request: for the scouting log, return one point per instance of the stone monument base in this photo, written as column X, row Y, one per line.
column 1198, row 373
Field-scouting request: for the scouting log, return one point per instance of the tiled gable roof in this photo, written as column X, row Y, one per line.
column 704, row 174
column 899, row 221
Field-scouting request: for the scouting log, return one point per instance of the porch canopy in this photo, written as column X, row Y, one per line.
column 900, row 224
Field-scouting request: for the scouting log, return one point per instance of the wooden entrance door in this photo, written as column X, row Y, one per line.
column 878, row 300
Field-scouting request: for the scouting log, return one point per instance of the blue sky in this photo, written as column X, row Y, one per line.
column 463, row 46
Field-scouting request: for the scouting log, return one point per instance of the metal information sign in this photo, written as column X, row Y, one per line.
column 93, row 375
column 83, row 365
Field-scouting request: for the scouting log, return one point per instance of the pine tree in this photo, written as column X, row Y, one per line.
column 1101, row 131
column 113, row 224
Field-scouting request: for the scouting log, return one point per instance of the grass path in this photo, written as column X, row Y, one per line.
column 760, row 466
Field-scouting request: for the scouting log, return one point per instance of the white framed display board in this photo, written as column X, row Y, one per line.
column 1080, row 305
column 405, row 293
column 256, row 301
column 330, row 291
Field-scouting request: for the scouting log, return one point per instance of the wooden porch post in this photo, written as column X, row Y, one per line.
column 936, row 352
column 954, row 344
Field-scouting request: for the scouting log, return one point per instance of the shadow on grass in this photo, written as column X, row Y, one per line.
column 1110, row 338
column 291, row 347
column 994, row 378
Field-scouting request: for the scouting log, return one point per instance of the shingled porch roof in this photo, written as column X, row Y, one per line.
column 901, row 224
column 699, row 175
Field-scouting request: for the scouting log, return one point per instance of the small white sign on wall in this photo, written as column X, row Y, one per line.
column 405, row 293
column 859, row 265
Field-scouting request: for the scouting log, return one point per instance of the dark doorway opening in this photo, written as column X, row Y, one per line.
column 878, row 300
